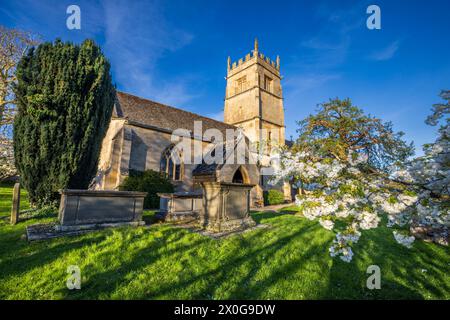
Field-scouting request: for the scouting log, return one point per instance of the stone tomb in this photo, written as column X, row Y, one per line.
column 89, row 208
column 226, row 188
column 180, row 206
column 82, row 211
column 220, row 207
column 226, row 206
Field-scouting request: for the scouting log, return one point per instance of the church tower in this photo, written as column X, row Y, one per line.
column 254, row 99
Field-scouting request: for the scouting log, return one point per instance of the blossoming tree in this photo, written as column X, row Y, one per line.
column 343, row 163
column 430, row 175
column 7, row 168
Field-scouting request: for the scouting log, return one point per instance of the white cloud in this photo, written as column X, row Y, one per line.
column 386, row 53
column 329, row 47
column 137, row 36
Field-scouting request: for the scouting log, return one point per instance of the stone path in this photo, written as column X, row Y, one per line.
column 274, row 208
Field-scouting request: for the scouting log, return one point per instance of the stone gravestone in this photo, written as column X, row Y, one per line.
column 15, row 204
column 226, row 206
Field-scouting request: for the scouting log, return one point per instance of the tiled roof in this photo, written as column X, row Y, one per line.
column 154, row 114
column 207, row 169
column 228, row 149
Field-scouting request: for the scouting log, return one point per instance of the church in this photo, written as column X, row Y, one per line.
column 140, row 134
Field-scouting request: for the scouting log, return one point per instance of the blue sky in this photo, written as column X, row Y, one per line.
column 175, row 51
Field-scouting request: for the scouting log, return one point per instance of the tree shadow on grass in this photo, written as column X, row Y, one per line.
column 103, row 284
column 249, row 252
column 255, row 257
column 401, row 270
column 279, row 273
column 22, row 261
column 168, row 262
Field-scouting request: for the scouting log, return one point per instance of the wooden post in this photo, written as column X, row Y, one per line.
column 15, row 204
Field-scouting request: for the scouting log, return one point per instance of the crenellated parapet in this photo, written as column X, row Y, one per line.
column 254, row 57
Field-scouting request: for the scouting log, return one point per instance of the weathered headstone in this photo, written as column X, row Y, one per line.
column 226, row 206
column 15, row 204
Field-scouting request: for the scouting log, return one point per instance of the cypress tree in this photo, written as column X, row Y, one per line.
column 65, row 99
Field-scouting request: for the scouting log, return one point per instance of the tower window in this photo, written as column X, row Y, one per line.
column 267, row 83
column 241, row 84
column 269, row 142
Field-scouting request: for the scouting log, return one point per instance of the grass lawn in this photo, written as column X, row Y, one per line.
column 287, row 260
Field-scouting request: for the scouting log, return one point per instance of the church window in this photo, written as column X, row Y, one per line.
column 267, row 83
column 171, row 164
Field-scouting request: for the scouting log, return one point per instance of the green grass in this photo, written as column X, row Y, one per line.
column 6, row 190
column 287, row 260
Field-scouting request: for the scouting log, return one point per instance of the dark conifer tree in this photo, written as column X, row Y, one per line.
column 64, row 98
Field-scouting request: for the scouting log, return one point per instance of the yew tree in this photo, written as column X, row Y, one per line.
column 64, row 97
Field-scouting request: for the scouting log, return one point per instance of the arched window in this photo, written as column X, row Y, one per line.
column 240, row 176
column 171, row 164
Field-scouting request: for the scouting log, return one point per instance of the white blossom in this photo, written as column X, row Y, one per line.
column 340, row 190
column 7, row 168
column 403, row 240
column 368, row 220
column 327, row 224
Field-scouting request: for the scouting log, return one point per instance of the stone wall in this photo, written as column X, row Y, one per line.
column 131, row 147
column 110, row 154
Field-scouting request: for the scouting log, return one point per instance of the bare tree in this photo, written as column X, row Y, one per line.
column 14, row 43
